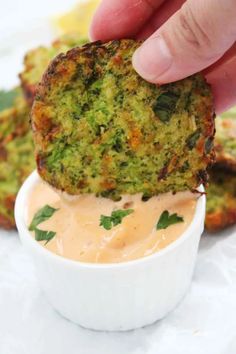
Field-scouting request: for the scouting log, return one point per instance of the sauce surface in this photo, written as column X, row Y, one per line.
column 79, row 236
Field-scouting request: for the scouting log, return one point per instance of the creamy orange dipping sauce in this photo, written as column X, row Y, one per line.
column 79, row 236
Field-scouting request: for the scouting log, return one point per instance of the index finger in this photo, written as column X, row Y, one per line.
column 115, row 19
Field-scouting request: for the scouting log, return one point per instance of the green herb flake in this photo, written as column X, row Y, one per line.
column 42, row 235
column 165, row 105
column 185, row 166
column 116, row 218
column 166, row 219
column 42, row 214
column 208, row 145
column 7, row 99
column 192, row 139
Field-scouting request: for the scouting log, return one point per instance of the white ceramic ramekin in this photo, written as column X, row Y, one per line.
column 118, row 296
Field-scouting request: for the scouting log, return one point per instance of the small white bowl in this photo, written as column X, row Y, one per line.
column 118, row 296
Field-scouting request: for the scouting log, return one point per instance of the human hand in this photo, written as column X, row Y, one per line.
column 182, row 38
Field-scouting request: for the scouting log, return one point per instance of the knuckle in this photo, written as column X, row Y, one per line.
column 194, row 33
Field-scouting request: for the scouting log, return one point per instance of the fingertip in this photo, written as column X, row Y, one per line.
column 222, row 78
column 95, row 30
column 94, row 33
column 115, row 19
column 91, row 34
column 152, row 59
column 101, row 27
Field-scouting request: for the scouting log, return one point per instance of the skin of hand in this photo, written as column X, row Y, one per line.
column 180, row 39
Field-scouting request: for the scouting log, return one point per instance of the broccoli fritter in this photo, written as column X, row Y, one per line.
column 100, row 128
column 225, row 142
column 37, row 60
column 16, row 153
column 221, row 200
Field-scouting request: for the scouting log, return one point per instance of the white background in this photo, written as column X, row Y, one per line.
column 204, row 323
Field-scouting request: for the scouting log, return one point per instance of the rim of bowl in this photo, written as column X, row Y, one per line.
column 20, row 215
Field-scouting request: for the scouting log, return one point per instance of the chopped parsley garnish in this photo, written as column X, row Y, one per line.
column 42, row 235
column 166, row 219
column 165, row 106
column 192, row 139
column 116, row 218
column 41, row 215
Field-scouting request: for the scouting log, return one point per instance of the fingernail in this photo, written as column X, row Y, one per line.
column 152, row 59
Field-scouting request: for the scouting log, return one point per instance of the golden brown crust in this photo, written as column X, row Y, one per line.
column 29, row 91
column 100, row 128
column 225, row 143
column 220, row 220
column 16, row 156
column 7, row 223
column 221, row 200
column 224, row 160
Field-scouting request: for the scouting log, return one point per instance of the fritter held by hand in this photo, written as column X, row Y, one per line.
column 100, row 128
column 221, row 200
column 16, row 152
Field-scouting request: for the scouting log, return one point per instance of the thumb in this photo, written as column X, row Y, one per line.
column 195, row 37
